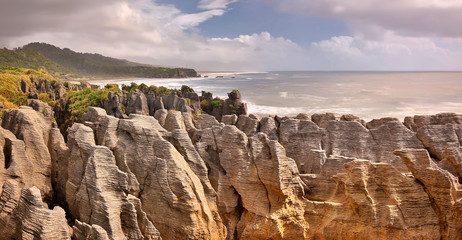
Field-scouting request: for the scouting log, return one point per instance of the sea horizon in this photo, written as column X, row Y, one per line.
column 366, row 94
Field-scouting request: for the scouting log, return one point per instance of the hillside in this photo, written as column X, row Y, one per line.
column 29, row 58
column 70, row 63
column 98, row 65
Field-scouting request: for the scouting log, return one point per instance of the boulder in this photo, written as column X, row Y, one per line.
column 174, row 120
column 112, row 105
column 234, row 104
column 136, row 104
column 229, row 119
column 248, row 124
column 322, row 119
column 206, row 121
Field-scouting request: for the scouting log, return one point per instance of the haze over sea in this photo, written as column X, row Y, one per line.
column 368, row 95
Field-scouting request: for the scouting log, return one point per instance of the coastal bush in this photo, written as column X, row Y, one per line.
column 79, row 101
column 216, row 103
column 129, row 88
column 10, row 78
column 163, row 90
column 112, row 87
column 204, row 104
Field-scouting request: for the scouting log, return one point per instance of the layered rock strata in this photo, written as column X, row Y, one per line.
column 171, row 176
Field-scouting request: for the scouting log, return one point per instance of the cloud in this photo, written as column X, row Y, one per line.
column 161, row 34
column 141, row 30
column 393, row 52
column 215, row 4
column 371, row 18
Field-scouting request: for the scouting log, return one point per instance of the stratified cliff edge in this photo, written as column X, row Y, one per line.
column 172, row 176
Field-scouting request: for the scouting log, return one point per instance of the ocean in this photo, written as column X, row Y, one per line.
column 368, row 95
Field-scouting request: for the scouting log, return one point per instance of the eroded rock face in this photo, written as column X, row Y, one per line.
column 26, row 155
column 364, row 199
column 153, row 165
column 95, row 189
column 261, row 177
column 321, row 177
column 23, row 215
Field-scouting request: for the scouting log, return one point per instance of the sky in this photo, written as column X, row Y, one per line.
column 248, row 35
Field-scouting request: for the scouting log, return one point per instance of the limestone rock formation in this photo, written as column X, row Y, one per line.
column 95, row 189
column 234, row 104
column 172, row 194
column 27, row 155
column 261, row 177
column 23, row 215
column 136, row 103
column 171, row 176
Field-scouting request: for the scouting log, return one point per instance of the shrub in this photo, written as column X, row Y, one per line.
column 204, row 104
column 112, row 87
column 44, row 97
column 163, row 91
column 216, row 103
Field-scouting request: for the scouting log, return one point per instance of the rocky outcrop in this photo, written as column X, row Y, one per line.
column 172, row 194
column 23, row 215
column 95, row 189
column 261, row 177
column 26, row 154
column 234, row 104
column 172, row 176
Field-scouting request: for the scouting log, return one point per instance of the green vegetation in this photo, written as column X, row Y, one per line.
column 143, row 87
column 10, row 79
column 31, row 59
column 204, row 105
column 216, row 103
column 96, row 65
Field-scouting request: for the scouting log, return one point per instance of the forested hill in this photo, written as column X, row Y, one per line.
column 29, row 58
column 65, row 61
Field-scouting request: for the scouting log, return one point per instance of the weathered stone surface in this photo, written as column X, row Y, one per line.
column 442, row 188
column 173, row 102
column 136, row 103
column 268, row 126
column 206, row 121
column 322, row 119
column 41, row 107
column 161, row 115
column 171, row 193
column 23, row 215
column 174, row 120
column 112, row 105
column 189, row 122
column 352, row 118
column 299, row 138
column 303, row 116
column 376, row 123
column 229, row 119
column 234, row 104
column 95, row 190
column 248, row 124
column 33, row 129
column 83, row 231
column 262, row 177
column 371, row 200
column 418, row 121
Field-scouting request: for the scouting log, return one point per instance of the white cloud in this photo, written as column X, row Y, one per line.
column 441, row 18
column 141, row 30
column 215, row 4
column 393, row 52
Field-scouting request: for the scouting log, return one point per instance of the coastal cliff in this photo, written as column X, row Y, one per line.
column 158, row 170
